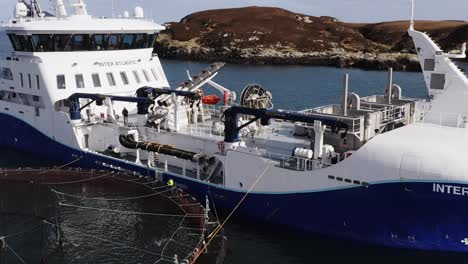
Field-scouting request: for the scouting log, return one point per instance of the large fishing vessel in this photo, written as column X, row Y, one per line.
column 381, row 169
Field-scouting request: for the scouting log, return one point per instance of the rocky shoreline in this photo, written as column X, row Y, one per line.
column 273, row 36
column 367, row 61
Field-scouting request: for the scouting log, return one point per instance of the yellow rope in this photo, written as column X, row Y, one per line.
column 217, row 229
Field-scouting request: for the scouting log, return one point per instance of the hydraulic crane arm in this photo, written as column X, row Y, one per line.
column 232, row 128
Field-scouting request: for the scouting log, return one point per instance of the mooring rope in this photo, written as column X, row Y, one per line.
column 60, row 167
column 110, row 174
column 112, row 199
column 217, row 229
column 130, row 212
column 14, row 252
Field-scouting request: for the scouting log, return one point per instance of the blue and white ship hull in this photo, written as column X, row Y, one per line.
column 415, row 215
column 381, row 169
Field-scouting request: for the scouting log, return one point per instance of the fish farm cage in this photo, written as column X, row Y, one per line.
column 51, row 216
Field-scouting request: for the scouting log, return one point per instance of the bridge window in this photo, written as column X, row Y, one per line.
column 145, row 73
column 63, row 42
column 124, row 77
column 79, row 81
column 150, row 40
column 127, row 41
column 110, row 78
column 80, row 42
column 140, row 41
column 137, row 77
column 99, row 42
column 17, row 45
column 113, row 43
column 43, row 42
column 61, row 82
column 96, row 80
column 21, row 42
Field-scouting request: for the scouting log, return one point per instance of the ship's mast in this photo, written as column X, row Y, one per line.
column 412, row 15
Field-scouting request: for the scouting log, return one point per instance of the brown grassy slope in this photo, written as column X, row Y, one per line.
column 262, row 27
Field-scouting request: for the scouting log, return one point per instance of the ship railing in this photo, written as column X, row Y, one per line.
column 290, row 162
column 442, row 119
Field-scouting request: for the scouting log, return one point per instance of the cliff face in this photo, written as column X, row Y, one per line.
column 263, row 35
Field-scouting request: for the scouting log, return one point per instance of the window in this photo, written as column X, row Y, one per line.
column 140, row 40
column 145, row 73
column 150, row 40
column 61, row 82
column 36, row 98
column 5, row 73
column 21, row 80
column 137, row 77
column 29, row 81
column 99, row 42
column 38, row 82
column 154, row 74
column 429, row 64
column 127, row 41
column 43, row 42
column 63, row 42
column 17, row 45
column 38, row 113
column 80, row 42
column 26, row 43
column 438, row 81
column 96, row 80
column 110, row 78
column 79, row 81
column 114, row 41
column 124, row 78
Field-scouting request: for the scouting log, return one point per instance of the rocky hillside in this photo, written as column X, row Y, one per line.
column 263, row 35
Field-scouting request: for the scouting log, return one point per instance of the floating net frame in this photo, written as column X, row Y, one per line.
column 193, row 211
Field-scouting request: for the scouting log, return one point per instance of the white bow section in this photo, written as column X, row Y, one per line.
column 447, row 84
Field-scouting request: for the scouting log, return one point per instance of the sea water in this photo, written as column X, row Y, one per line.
column 295, row 88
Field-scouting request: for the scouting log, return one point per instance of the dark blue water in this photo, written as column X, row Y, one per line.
column 295, row 87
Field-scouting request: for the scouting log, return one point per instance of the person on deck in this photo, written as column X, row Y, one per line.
column 125, row 115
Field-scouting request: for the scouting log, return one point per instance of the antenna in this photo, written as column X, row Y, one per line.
column 113, row 10
column 412, row 15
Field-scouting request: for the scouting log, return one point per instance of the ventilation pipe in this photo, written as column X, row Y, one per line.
column 354, row 101
column 344, row 104
column 396, row 92
column 388, row 91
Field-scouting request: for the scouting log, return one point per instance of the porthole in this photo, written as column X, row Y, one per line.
column 348, row 181
column 339, row 179
column 357, row 182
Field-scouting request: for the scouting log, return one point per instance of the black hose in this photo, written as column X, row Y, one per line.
column 129, row 142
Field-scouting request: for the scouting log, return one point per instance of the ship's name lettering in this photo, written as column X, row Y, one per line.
column 450, row 189
column 116, row 63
